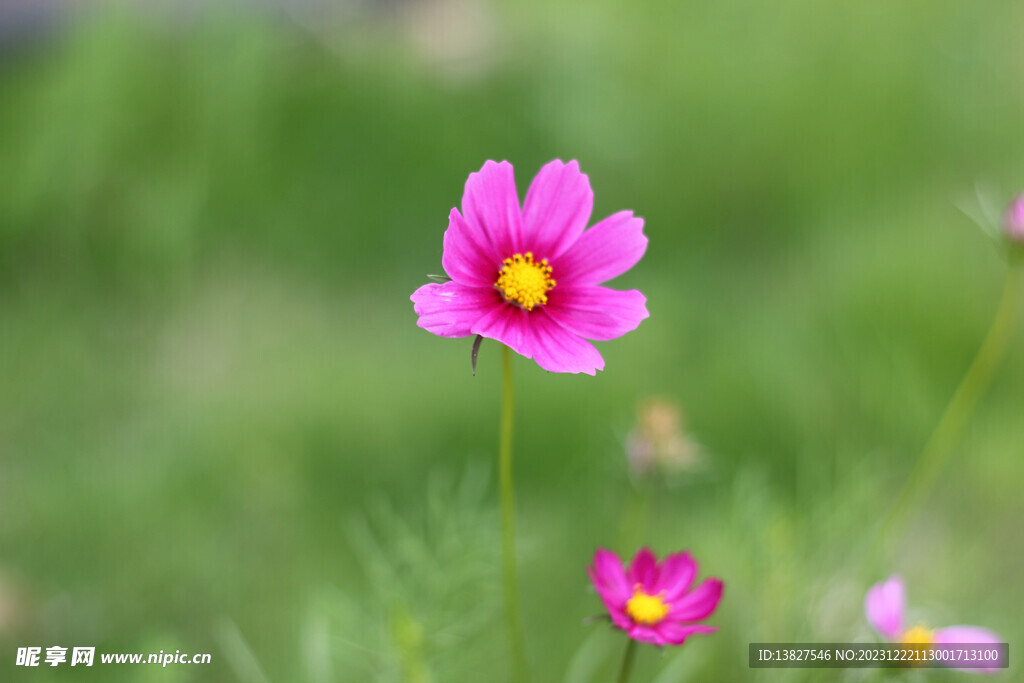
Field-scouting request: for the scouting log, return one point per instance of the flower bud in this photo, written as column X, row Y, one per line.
column 1013, row 220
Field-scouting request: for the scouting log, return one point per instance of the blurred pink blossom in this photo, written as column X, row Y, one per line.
column 659, row 440
column 1013, row 220
column 885, row 606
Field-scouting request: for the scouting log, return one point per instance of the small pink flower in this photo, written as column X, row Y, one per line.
column 1013, row 220
column 652, row 602
column 530, row 277
column 885, row 606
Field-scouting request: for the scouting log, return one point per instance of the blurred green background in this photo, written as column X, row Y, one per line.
column 221, row 430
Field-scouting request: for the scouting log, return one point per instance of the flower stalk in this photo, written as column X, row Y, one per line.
column 513, row 618
column 954, row 420
column 627, row 661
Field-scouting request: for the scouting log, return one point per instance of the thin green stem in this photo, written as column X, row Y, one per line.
column 627, row 661
column 937, row 451
column 513, row 619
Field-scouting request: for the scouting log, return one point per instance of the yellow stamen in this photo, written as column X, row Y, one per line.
column 524, row 281
column 919, row 635
column 646, row 609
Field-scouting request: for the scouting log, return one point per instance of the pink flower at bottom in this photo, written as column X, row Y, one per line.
column 885, row 607
column 651, row 601
column 530, row 277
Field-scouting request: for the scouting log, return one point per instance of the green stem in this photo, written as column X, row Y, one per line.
column 513, row 619
column 947, row 433
column 627, row 661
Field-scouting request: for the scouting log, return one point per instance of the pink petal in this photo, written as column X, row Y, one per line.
column 557, row 209
column 450, row 309
column 884, row 605
column 644, row 570
column 619, row 617
column 490, row 204
column 966, row 634
column 969, row 634
column 556, row 349
column 467, row 257
column 609, row 578
column 675, row 634
column 607, row 250
column 647, row 634
column 699, row 603
column 675, row 575
column 508, row 324
column 595, row 312
column 535, row 335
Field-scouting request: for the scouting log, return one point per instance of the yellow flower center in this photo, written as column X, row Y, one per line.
column 919, row 635
column 646, row 609
column 524, row 281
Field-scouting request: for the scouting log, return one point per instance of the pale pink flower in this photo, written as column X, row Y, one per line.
column 885, row 607
column 651, row 601
column 530, row 277
column 659, row 439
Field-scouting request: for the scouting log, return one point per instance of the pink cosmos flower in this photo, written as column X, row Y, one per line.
column 1013, row 221
column 530, row 277
column 885, row 605
column 651, row 601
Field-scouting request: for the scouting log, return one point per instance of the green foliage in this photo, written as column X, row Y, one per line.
column 219, row 424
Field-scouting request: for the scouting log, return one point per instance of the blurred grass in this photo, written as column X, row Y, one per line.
column 210, row 371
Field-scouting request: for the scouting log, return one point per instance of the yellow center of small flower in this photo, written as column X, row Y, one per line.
column 919, row 635
column 646, row 609
column 524, row 281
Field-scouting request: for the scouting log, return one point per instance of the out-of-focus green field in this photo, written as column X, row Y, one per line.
column 221, row 430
